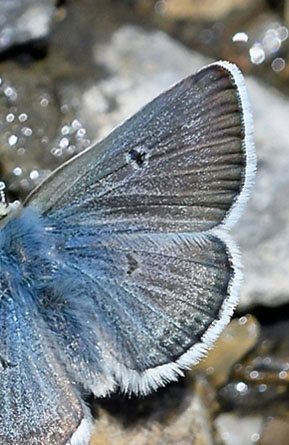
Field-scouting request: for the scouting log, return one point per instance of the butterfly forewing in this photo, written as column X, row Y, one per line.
column 176, row 166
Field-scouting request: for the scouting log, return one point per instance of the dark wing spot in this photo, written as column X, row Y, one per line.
column 132, row 264
column 4, row 364
column 137, row 156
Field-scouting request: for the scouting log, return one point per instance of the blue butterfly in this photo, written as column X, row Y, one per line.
column 118, row 272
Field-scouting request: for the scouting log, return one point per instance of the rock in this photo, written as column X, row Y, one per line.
column 175, row 415
column 276, row 431
column 239, row 337
column 235, row 430
column 204, row 10
column 24, row 20
column 263, row 230
column 140, row 65
column 260, row 378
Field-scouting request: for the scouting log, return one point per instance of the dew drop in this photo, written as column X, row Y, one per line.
column 278, row 64
column 12, row 140
column 240, row 37
column 17, row 171
column 257, row 54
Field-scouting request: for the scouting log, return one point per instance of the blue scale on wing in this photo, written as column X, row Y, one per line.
column 38, row 403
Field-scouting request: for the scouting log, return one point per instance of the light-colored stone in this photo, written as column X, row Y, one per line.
column 24, row 20
column 140, row 65
column 235, row 430
column 263, row 230
column 204, row 9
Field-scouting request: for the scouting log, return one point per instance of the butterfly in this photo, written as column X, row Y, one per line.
column 118, row 271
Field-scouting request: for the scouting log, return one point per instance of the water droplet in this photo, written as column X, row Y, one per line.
column 161, row 7
column 12, row 140
column 17, row 171
column 65, row 130
column 242, row 321
column 71, row 149
column 21, row 151
column 240, row 37
column 75, row 124
column 34, row 174
column 45, row 140
column 262, row 387
column 11, row 93
column 210, row 370
column 27, row 131
column 283, row 375
column 241, row 387
column 64, row 108
column 271, row 41
column 278, row 64
column 44, row 102
column 283, row 33
column 22, row 117
column 254, row 375
column 10, row 117
column 81, row 132
column 255, row 437
column 63, row 143
column 56, row 151
column 257, row 54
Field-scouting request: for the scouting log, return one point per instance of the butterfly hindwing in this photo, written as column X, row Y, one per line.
column 155, row 298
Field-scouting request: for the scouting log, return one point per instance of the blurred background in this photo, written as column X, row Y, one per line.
column 69, row 72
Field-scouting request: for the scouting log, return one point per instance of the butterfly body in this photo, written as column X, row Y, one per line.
column 120, row 272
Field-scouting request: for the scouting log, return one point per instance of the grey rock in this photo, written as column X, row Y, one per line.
column 140, row 65
column 24, row 20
